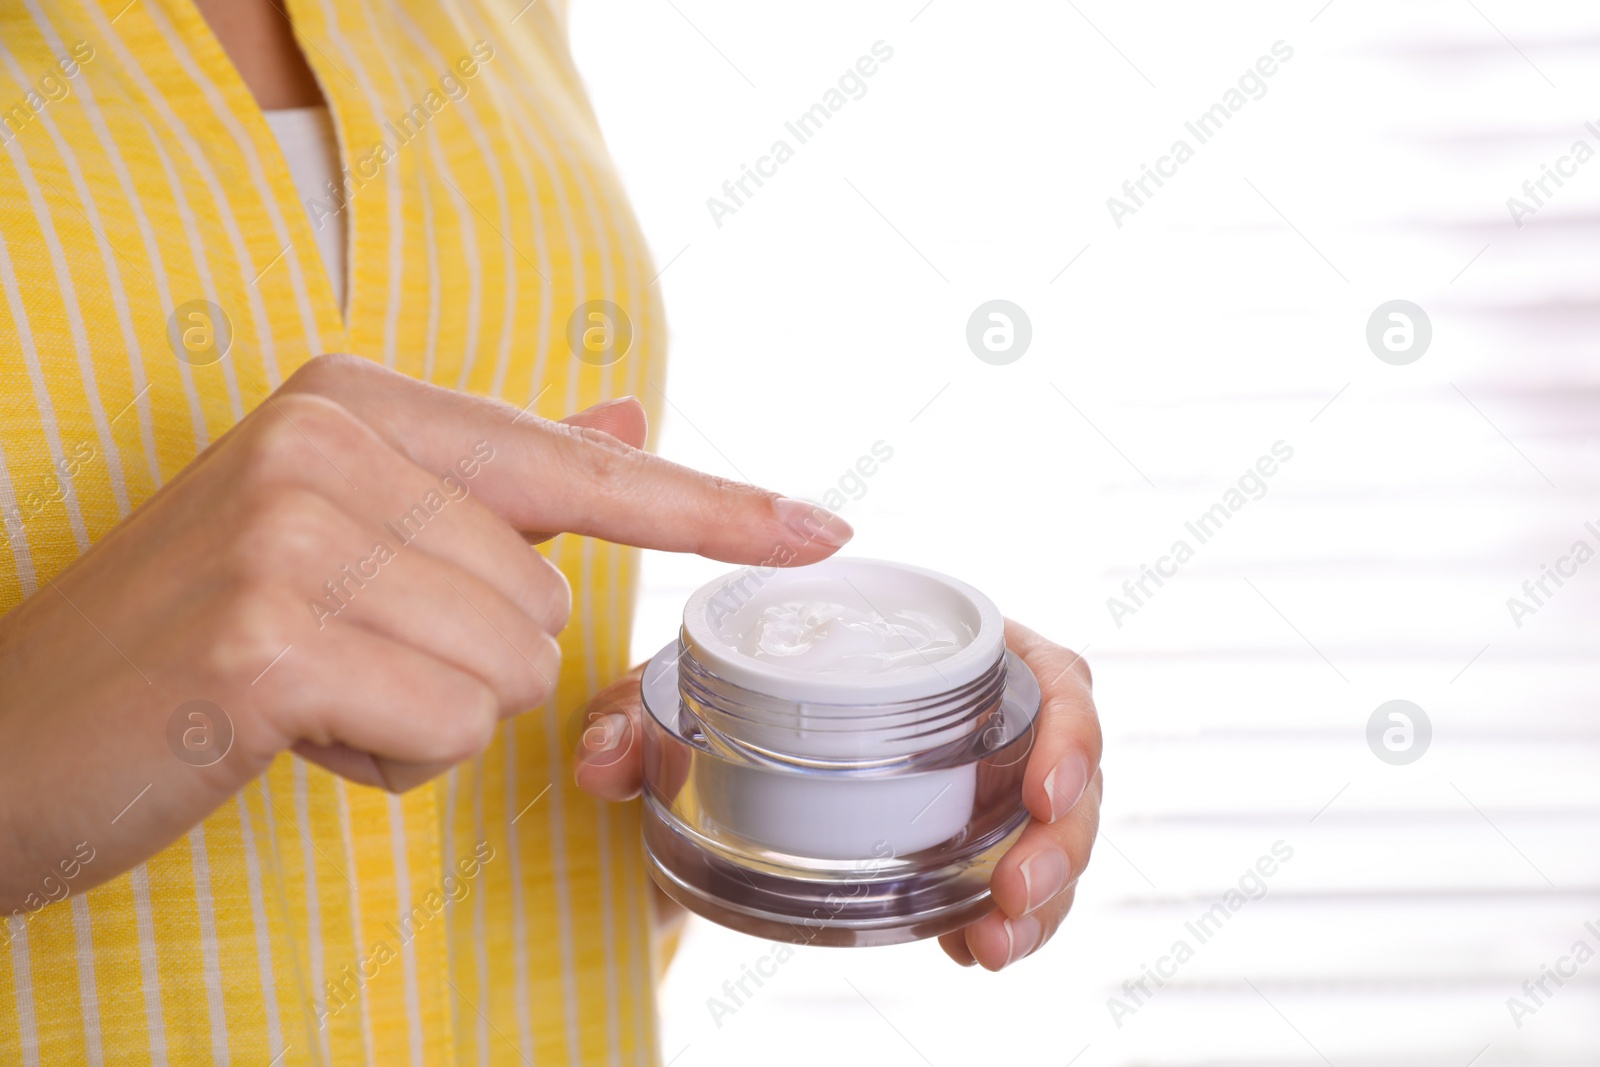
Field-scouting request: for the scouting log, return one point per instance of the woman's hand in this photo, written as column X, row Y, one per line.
column 1033, row 883
column 345, row 574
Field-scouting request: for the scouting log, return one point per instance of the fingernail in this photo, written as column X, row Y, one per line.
column 630, row 398
column 1022, row 937
column 1066, row 783
column 603, row 735
column 812, row 522
column 1044, row 874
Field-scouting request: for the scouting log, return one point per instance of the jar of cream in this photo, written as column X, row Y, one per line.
column 834, row 753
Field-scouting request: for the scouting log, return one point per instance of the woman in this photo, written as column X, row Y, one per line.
column 269, row 615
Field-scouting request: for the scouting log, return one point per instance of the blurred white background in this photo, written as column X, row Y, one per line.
column 1228, row 313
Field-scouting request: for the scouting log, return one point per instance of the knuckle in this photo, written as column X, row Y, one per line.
column 739, row 492
column 1094, row 741
column 544, row 668
column 321, row 371
column 1084, row 858
column 725, row 492
column 726, row 499
column 557, row 598
column 293, row 432
column 283, row 530
column 302, row 408
column 1081, row 666
column 1083, row 835
column 316, row 420
column 272, row 451
column 597, row 454
column 466, row 726
column 246, row 630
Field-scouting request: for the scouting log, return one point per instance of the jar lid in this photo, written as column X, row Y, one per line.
column 843, row 631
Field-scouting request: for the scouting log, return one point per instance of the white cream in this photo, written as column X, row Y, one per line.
column 829, row 637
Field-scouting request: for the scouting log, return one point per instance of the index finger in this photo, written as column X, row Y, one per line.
column 548, row 476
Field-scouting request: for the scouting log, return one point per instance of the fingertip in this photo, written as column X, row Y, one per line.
column 814, row 531
column 615, row 783
column 988, row 942
column 955, row 946
column 1039, row 804
column 1008, row 887
column 997, row 941
column 1021, row 638
column 1061, row 788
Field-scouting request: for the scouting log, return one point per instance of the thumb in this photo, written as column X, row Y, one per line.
column 608, row 755
column 622, row 418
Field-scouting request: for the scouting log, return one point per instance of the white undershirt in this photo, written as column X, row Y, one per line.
column 310, row 146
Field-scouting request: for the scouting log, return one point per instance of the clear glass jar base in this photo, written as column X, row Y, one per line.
column 861, row 823
column 849, row 909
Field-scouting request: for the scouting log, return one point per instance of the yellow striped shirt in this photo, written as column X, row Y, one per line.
column 498, row 916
